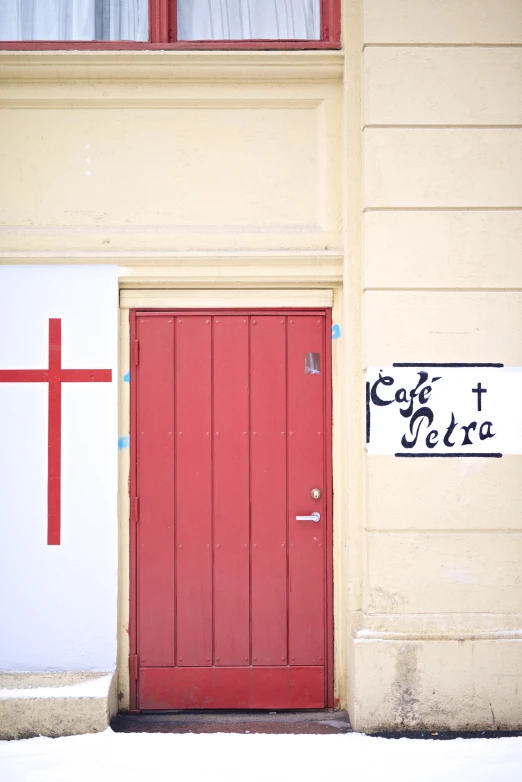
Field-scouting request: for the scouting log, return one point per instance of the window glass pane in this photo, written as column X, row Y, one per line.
column 312, row 364
column 215, row 20
column 74, row 20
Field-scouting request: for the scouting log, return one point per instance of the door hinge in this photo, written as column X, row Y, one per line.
column 136, row 352
column 136, row 509
column 135, row 662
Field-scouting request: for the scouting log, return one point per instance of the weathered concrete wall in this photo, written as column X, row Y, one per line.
column 437, row 641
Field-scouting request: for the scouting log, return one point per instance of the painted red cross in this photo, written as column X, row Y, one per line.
column 55, row 376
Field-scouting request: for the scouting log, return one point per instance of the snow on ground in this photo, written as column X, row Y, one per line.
column 219, row 757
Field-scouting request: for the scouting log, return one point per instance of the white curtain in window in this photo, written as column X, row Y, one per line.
column 214, row 20
column 74, row 20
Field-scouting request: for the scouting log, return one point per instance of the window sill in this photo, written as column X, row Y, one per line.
column 158, row 65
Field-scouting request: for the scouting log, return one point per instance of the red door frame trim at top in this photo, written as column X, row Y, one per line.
column 329, row 629
column 163, row 35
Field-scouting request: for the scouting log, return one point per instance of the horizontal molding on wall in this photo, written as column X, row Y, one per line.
column 205, row 269
column 442, row 289
column 146, row 244
column 442, row 209
column 173, row 257
column 243, row 298
column 389, row 635
column 470, row 626
column 159, row 66
column 447, row 531
column 428, row 45
column 257, row 272
column 85, row 100
column 443, row 126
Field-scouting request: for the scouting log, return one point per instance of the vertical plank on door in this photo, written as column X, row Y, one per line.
column 231, row 490
column 155, row 445
column 306, row 471
column 193, row 491
column 268, row 470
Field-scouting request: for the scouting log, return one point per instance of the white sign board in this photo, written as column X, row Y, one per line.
column 444, row 410
column 59, row 602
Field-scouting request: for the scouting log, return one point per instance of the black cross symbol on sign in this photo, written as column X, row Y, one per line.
column 479, row 391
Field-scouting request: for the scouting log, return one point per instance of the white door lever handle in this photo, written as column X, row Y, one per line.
column 314, row 517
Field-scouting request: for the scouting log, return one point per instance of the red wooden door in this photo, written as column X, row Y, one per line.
column 230, row 435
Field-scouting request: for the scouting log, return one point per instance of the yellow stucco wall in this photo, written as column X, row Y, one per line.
column 165, row 152
column 438, row 642
column 389, row 174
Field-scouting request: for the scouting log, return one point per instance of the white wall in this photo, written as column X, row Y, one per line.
column 58, row 603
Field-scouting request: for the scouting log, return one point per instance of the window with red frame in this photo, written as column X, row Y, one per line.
column 183, row 24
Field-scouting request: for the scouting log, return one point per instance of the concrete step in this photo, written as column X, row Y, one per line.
column 55, row 704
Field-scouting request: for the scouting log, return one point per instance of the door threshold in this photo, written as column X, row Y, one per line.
column 290, row 722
